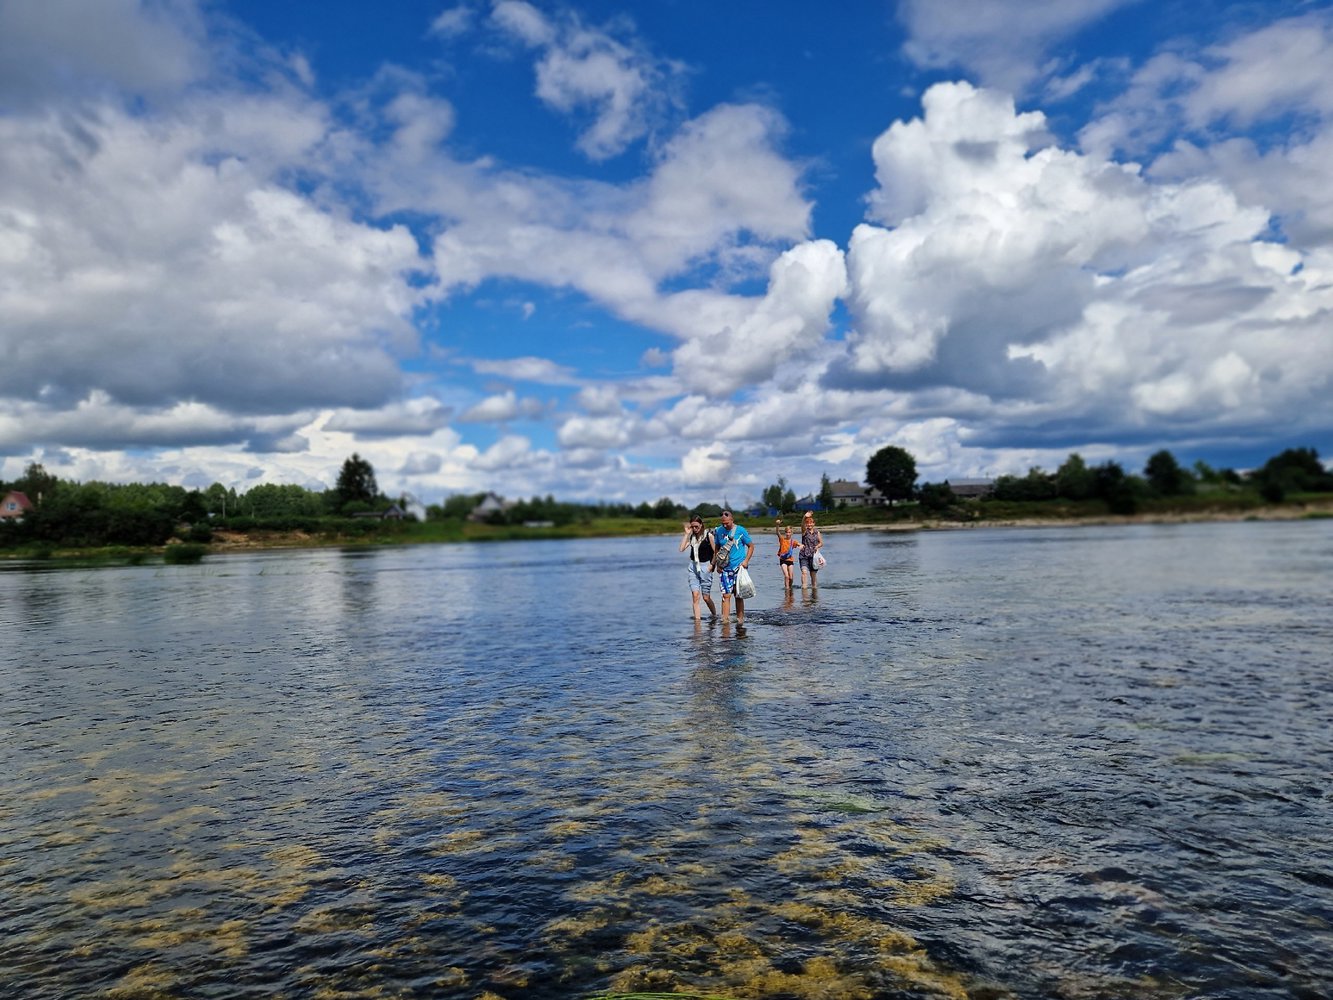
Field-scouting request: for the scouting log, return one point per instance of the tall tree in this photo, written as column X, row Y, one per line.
column 892, row 471
column 1164, row 474
column 825, row 492
column 37, row 484
column 1293, row 469
column 356, row 482
column 1073, row 480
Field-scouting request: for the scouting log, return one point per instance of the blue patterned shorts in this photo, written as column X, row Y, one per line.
column 727, row 578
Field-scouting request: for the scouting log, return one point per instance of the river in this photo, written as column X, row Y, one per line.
column 1081, row 762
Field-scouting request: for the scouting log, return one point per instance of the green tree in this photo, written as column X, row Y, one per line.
column 772, row 496
column 1036, row 485
column 664, row 508
column 356, row 482
column 221, row 501
column 936, row 496
column 1073, row 480
column 459, row 506
column 36, row 483
column 892, row 471
column 1165, row 475
column 1293, row 470
column 826, row 492
column 195, row 509
column 1118, row 490
column 274, row 500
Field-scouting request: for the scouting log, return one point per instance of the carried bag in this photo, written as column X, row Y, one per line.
column 744, row 585
column 722, row 555
column 819, row 561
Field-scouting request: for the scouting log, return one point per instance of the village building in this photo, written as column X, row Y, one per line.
column 490, row 504
column 14, row 505
column 971, row 489
column 392, row 513
column 849, row 494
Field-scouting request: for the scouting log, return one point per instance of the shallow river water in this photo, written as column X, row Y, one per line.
column 1075, row 763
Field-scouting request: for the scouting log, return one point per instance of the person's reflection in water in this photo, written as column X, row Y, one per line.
column 722, row 663
column 359, row 583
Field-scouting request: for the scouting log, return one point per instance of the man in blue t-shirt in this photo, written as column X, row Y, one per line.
column 740, row 549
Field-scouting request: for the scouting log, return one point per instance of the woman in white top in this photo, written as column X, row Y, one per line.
column 700, row 568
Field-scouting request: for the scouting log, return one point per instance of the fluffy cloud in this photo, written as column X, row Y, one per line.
column 719, row 196
column 49, row 47
column 501, row 408
column 527, row 369
column 508, row 454
column 779, row 329
column 580, row 67
column 1073, row 286
column 98, row 421
column 706, row 466
column 1001, row 41
column 403, row 417
column 141, row 264
column 1275, row 73
column 608, row 431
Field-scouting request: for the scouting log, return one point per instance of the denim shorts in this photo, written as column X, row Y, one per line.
column 701, row 577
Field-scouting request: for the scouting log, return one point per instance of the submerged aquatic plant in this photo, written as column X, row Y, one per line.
column 185, row 553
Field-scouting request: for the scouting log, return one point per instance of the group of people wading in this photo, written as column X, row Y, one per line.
column 728, row 548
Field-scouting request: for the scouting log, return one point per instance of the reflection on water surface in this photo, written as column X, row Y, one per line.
column 1069, row 763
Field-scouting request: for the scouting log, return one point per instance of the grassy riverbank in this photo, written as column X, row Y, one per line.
column 341, row 534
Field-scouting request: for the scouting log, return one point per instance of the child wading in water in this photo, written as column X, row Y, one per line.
column 786, row 552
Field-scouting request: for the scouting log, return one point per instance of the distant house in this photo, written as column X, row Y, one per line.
column 849, row 494
column 14, row 506
column 392, row 513
column 971, row 489
column 490, row 504
column 808, row 502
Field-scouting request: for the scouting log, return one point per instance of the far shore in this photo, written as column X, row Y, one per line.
column 1289, row 512
column 225, row 541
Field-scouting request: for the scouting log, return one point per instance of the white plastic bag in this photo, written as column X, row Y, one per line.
column 819, row 560
column 744, row 585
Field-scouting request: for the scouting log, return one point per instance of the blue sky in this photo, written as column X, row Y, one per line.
column 620, row 252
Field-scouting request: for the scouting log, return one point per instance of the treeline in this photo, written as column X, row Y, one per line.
column 1295, row 470
column 95, row 514
column 557, row 512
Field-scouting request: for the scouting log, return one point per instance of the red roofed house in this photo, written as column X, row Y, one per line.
column 14, row 506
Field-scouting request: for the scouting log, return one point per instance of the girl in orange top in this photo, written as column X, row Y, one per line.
column 786, row 551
